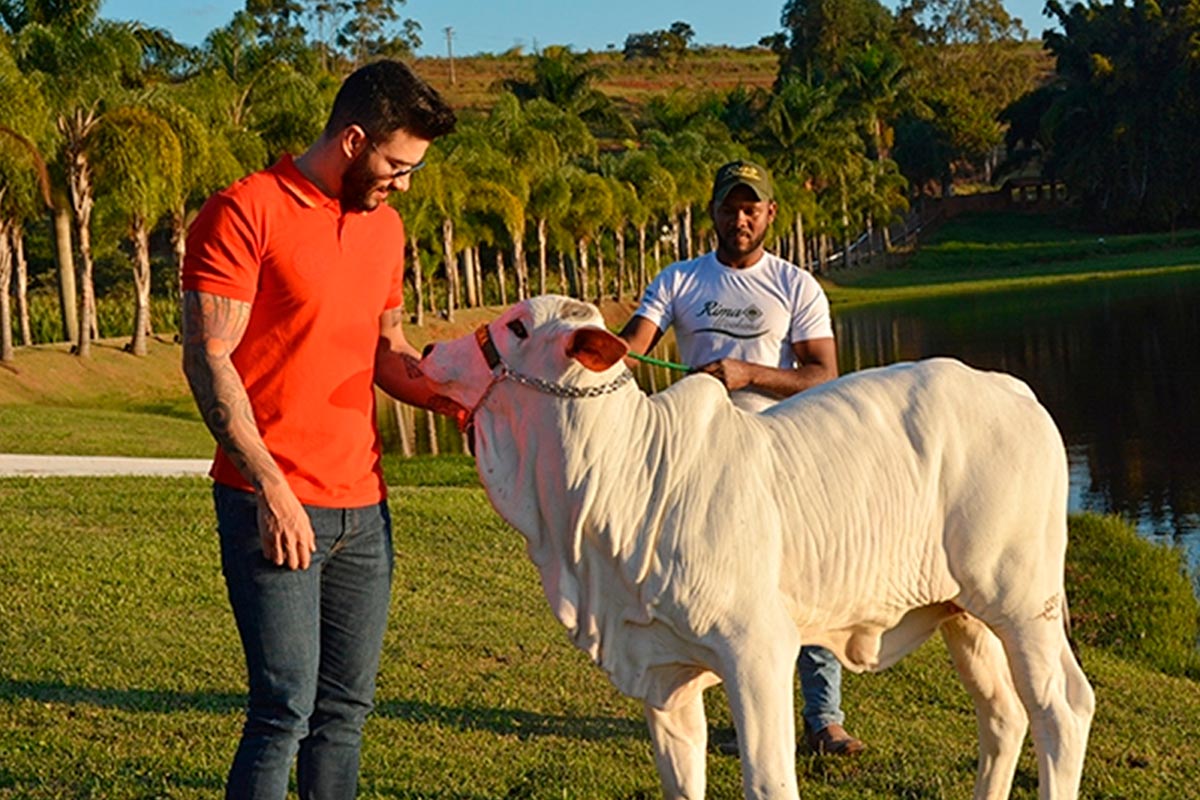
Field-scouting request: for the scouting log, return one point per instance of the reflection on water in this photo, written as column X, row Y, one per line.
column 1115, row 362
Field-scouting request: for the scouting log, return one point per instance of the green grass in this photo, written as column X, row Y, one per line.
column 443, row 470
column 121, row 677
column 979, row 253
column 148, row 430
column 1153, row 619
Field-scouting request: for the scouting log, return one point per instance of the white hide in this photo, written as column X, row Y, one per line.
column 682, row 541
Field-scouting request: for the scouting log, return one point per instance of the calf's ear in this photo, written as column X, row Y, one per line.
column 596, row 348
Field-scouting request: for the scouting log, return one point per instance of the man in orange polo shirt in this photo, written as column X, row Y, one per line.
column 292, row 312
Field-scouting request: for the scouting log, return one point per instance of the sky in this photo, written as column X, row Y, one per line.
column 494, row 26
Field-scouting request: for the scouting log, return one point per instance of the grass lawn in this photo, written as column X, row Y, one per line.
column 979, row 253
column 121, row 677
column 113, row 403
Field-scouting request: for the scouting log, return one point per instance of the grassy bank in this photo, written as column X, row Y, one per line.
column 113, row 403
column 120, row 674
column 979, row 253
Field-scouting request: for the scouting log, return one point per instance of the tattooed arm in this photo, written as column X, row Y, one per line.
column 212, row 328
column 398, row 369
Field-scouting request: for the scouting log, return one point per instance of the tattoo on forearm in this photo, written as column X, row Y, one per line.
column 213, row 326
column 210, row 319
column 412, row 367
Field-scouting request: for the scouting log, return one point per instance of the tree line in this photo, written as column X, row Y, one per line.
column 112, row 135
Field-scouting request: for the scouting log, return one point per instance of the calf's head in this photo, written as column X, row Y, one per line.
column 548, row 339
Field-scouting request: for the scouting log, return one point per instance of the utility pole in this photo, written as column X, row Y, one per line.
column 450, row 52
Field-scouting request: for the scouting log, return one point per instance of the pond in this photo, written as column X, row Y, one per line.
column 1115, row 362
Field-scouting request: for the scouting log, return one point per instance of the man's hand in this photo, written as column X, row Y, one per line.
column 733, row 373
column 440, row 404
column 284, row 527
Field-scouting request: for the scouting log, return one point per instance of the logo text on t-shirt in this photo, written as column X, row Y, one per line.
column 741, row 316
column 730, row 320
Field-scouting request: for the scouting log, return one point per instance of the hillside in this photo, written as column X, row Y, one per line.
column 629, row 83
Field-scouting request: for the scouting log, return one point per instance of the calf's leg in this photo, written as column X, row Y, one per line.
column 979, row 658
column 758, row 676
column 1058, row 699
column 680, row 736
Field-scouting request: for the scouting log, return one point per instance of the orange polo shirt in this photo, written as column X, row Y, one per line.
column 318, row 280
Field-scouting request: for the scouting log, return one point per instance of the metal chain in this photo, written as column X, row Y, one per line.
column 501, row 371
column 559, row 390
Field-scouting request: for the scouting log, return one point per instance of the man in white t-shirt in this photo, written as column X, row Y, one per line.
column 761, row 326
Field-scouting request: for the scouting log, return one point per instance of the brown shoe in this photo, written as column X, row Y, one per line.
column 832, row 740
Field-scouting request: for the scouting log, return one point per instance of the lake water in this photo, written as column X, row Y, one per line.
column 1115, row 362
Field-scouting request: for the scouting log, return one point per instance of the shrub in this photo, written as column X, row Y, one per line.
column 114, row 316
column 1131, row 596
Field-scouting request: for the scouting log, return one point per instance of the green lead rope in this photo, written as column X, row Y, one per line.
column 660, row 363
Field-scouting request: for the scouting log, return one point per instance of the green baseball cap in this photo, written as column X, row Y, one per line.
column 743, row 173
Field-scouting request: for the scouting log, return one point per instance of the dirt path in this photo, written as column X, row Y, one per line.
column 46, row 466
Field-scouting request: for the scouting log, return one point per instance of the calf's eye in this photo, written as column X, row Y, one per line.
column 518, row 329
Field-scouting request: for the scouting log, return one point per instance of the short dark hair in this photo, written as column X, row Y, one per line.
column 386, row 96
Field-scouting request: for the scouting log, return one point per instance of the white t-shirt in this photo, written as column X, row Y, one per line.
column 752, row 314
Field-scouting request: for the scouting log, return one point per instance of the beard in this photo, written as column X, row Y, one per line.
column 359, row 185
column 733, row 248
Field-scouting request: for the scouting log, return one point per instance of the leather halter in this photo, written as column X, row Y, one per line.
column 483, row 337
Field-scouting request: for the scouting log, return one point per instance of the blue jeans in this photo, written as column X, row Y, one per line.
column 821, row 686
column 312, row 640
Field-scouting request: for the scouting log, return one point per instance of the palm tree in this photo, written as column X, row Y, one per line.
column 139, row 167
column 692, row 156
column 796, row 201
column 255, row 96
column 625, row 207
column 875, row 78
column 591, row 205
column 807, row 143
column 543, row 140
column 24, row 194
column 12, row 191
column 549, row 197
column 495, row 202
column 884, row 198
column 27, row 115
column 24, row 185
column 83, row 66
column 510, row 209
column 443, row 184
column 655, row 188
column 538, row 140
column 422, row 224
column 208, row 164
column 566, row 79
